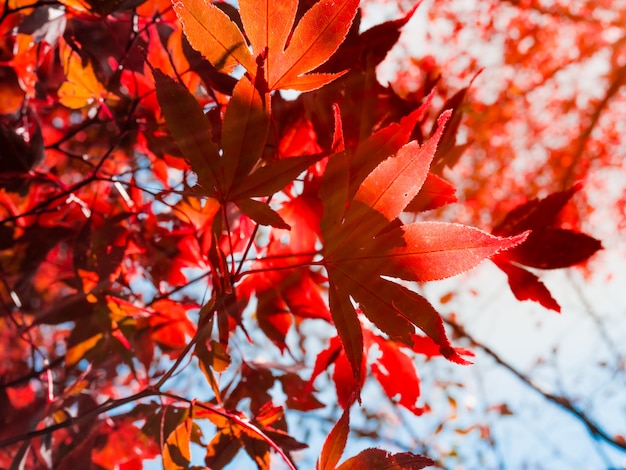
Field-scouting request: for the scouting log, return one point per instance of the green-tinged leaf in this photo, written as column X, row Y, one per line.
column 335, row 443
column 347, row 323
column 272, row 177
column 191, row 130
column 316, row 37
column 211, row 32
column 211, row 354
column 390, row 187
column 378, row 459
column 204, row 362
column 261, row 213
column 438, row 250
column 246, row 122
column 177, row 453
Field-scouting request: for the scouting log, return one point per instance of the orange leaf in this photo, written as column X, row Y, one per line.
column 268, row 23
column 438, row 250
column 77, row 352
column 176, row 453
column 81, row 87
column 317, row 36
column 211, row 32
column 335, row 443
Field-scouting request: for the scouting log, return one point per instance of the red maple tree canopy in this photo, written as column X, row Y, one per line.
column 166, row 212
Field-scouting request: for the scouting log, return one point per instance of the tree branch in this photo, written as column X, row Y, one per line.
column 98, row 410
column 564, row 403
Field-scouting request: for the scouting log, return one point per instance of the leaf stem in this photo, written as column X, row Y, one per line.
column 278, row 268
column 240, row 421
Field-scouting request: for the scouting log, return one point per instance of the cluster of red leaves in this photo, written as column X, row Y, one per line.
column 542, row 113
column 136, row 165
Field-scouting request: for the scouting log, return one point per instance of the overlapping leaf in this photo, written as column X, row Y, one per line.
column 378, row 458
column 367, row 241
column 547, row 247
column 211, row 32
column 335, row 443
column 81, row 87
column 232, row 173
column 286, row 56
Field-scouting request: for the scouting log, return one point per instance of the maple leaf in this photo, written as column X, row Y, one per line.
column 81, row 87
column 287, row 57
column 232, row 171
column 366, row 241
column 335, row 444
column 378, row 458
column 547, row 247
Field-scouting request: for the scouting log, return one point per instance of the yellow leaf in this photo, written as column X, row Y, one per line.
column 176, row 453
column 77, row 352
column 81, row 87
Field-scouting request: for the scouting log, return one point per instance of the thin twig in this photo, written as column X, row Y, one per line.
column 563, row 402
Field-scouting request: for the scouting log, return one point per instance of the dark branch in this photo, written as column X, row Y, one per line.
column 564, row 403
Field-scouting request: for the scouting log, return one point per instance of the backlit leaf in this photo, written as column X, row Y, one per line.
column 396, row 373
column 435, row 192
column 212, row 33
column 81, row 87
column 383, row 143
column 438, row 250
column 176, row 452
column 347, row 324
column 335, row 443
column 78, row 351
column 191, row 130
column 318, row 34
column 526, row 285
column 246, row 122
column 390, row 187
column 261, row 213
column 380, row 459
column 268, row 23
